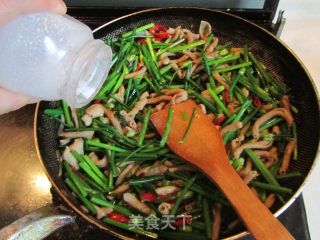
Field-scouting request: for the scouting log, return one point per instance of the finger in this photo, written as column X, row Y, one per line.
column 11, row 101
column 12, row 8
column 57, row 6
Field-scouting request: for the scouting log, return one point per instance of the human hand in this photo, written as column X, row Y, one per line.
column 9, row 9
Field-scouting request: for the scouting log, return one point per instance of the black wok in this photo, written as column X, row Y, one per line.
column 275, row 55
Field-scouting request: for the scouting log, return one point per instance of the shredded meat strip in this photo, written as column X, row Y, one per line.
column 282, row 112
column 287, row 156
column 137, row 73
column 254, row 145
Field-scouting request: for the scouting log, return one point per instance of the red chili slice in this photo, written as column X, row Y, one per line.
column 162, row 196
column 148, row 196
column 226, row 96
column 227, row 147
column 159, row 31
column 256, row 101
column 172, row 201
column 118, row 217
column 179, row 222
column 139, row 66
column 142, row 41
column 97, row 101
column 219, row 120
column 157, row 39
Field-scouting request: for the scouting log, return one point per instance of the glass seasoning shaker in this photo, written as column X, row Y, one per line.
column 52, row 57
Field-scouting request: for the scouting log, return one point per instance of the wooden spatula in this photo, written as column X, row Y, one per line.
column 204, row 148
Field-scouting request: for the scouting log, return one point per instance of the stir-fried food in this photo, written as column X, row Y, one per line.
column 121, row 170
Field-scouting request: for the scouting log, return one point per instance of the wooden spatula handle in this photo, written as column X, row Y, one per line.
column 258, row 219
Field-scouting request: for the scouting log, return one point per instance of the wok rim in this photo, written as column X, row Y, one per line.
column 87, row 217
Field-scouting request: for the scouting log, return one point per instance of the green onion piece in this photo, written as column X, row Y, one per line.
column 270, row 187
column 153, row 86
column 110, row 180
column 140, row 159
column 181, row 195
column 207, row 218
column 208, row 41
column 116, row 208
column 186, row 64
column 220, row 47
column 123, row 50
column 53, row 112
column 207, row 67
column 250, row 116
column 204, row 191
column 112, row 163
column 187, row 46
column 165, row 69
column 139, row 29
column 167, row 128
column 127, row 227
column 93, row 175
column 219, row 89
column 218, row 102
column 77, row 156
column 95, row 169
column 72, row 187
column 242, row 110
column 91, row 182
column 120, row 80
column 85, row 201
column 144, row 126
column 189, row 125
column 246, row 53
column 150, row 64
column 270, row 123
column 149, row 44
column 109, row 84
column 295, row 151
column 231, row 68
column 114, row 60
column 138, row 154
column 170, row 46
column 262, row 71
column 129, row 85
column 275, row 167
column 67, row 114
column 266, row 125
column 261, row 93
column 229, row 58
column 235, row 81
column 294, row 109
column 145, row 180
column 198, row 225
column 75, row 179
column 184, row 116
column 204, row 101
column 223, row 52
column 132, row 154
column 288, row 175
column 261, row 167
column 188, row 76
column 105, row 146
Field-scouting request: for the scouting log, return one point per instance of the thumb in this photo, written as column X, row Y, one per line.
column 11, row 101
column 12, row 8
